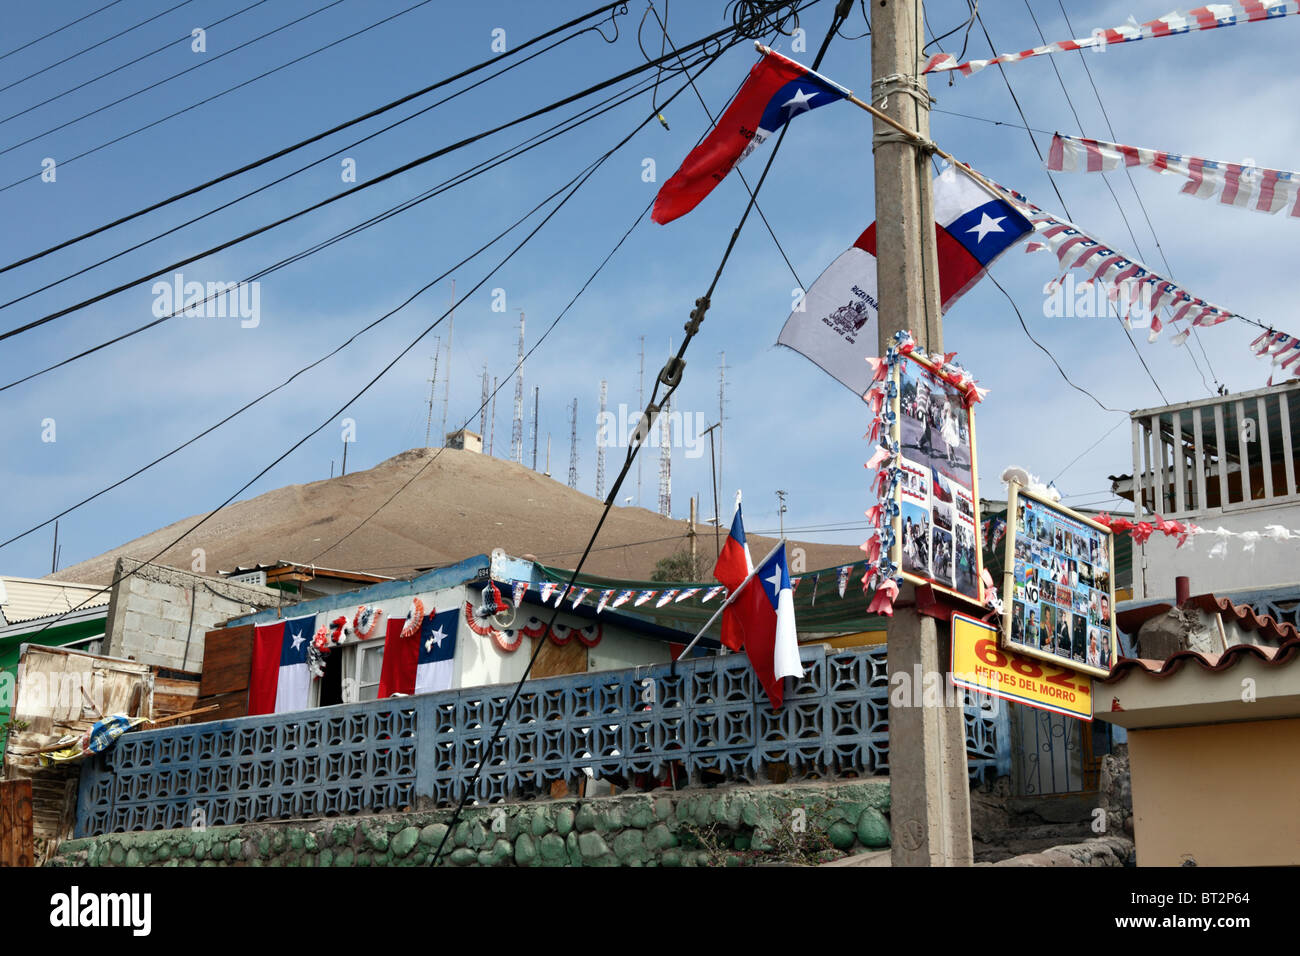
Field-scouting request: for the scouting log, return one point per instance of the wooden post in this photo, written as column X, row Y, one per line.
column 17, row 837
column 929, row 784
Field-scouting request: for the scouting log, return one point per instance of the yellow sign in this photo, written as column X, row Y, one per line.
column 979, row 664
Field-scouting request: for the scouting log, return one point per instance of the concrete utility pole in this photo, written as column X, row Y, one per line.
column 446, row 379
column 928, row 779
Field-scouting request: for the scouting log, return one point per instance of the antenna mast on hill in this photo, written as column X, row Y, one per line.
column 600, row 445
column 666, row 457
column 537, row 400
column 492, row 439
column 517, row 431
column 433, row 388
column 573, row 446
column 446, row 378
column 640, row 404
column 482, row 411
column 722, row 410
column 666, row 463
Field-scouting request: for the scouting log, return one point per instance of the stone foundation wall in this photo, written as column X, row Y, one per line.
column 739, row 826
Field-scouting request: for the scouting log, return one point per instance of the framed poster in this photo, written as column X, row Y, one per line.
column 1059, row 586
column 936, row 536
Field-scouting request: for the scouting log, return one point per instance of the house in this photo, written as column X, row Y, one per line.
column 47, row 613
column 1228, row 462
column 1211, row 701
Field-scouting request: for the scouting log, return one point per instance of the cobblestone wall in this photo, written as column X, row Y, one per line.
column 738, row 826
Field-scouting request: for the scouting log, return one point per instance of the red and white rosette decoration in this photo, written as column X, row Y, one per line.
column 414, row 618
column 534, row 628
column 561, row 634
column 507, row 641
column 366, row 622
column 591, row 634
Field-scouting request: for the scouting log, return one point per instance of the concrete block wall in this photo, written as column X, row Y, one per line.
column 159, row 615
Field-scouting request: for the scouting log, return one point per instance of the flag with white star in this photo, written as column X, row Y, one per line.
column 424, row 662
column 280, row 679
column 835, row 324
column 777, row 90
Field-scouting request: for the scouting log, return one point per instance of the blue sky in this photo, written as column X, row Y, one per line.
column 1216, row 94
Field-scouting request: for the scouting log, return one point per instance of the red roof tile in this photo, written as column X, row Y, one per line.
column 1214, row 663
column 1243, row 614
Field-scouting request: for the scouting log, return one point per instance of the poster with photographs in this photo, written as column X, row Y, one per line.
column 1060, row 585
column 937, row 540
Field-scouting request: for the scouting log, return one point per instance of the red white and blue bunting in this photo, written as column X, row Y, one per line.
column 1209, row 17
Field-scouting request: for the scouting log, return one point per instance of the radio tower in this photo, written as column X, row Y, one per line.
column 665, row 463
column 433, row 389
column 722, row 411
column 446, row 378
column 482, row 412
column 640, row 405
column 600, row 447
column 573, row 446
column 492, row 438
column 517, row 431
column 537, row 399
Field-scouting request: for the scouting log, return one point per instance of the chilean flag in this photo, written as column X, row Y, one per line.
column 835, row 326
column 423, row 663
column 777, row 90
column 279, row 680
column 763, row 615
column 733, row 567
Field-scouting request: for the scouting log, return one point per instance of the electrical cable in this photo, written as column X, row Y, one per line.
column 46, row 36
column 375, row 181
column 663, row 26
column 301, row 169
column 478, row 169
column 1061, row 199
column 94, row 46
column 1045, row 351
column 288, row 149
column 198, row 66
column 670, row 376
column 573, row 186
column 1133, row 185
column 255, row 401
column 1111, row 189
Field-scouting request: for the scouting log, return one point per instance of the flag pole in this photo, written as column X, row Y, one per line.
column 891, row 122
column 723, row 606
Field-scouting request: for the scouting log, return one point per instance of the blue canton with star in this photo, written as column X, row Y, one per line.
column 797, row 96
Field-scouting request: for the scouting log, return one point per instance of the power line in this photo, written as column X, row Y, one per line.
column 46, row 36
column 1111, row 189
column 375, row 181
column 1059, row 197
column 95, row 46
column 329, row 355
column 275, row 182
column 208, row 61
column 478, row 169
column 572, row 188
column 1141, row 204
column 670, row 375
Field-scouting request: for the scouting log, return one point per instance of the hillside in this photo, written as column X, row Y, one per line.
column 462, row 504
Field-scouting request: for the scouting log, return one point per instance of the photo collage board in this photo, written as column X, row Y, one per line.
column 1061, row 585
column 936, row 531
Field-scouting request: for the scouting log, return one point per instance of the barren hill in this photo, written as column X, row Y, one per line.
column 461, row 504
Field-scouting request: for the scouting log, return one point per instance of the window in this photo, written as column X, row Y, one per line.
column 362, row 665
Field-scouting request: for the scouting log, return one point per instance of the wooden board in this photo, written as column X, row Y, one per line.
column 174, row 692
column 227, row 660
column 229, row 705
column 17, row 839
column 554, row 660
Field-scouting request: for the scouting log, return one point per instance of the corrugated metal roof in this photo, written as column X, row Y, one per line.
column 25, row 599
